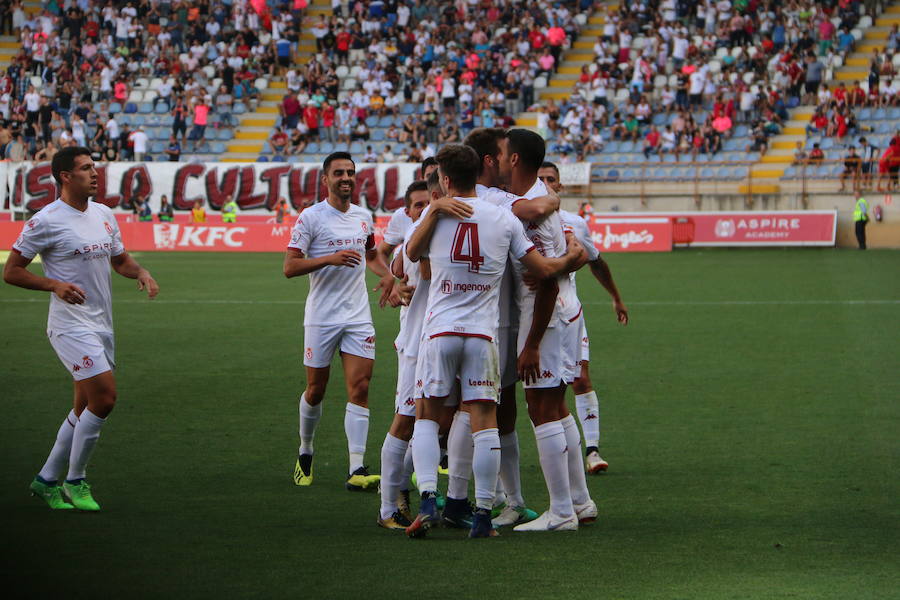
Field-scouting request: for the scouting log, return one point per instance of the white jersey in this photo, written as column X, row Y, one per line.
column 397, row 227
column 501, row 198
column 412, row 317
column 337, row 294
column 548, row 238
column 468, row 258
column 75, row 247
column 579, row 228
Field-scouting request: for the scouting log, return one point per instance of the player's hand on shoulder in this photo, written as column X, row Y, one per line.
column 447, row 206
column 146, row 281
column 345, row 258
column 69, row 292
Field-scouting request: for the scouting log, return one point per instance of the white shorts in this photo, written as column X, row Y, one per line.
column 506, row 344
column 585, row 343
column 84, row 353
column 405, row 402
column 553, row 367
column 320, row 342
column 473, row 359
column 571, row 337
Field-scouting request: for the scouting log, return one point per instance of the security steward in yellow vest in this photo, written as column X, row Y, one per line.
column 860, row 219
column 229, row 212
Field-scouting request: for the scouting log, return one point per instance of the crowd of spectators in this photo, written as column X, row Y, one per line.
column 84, row 63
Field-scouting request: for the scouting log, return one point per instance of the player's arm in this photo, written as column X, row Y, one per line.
column 383, row 256
column 536, row 209
column 528, row 364
column 542, row 267
column 601, row 273
column 417, row 245
column 126, row 266
column 15, row 272
column 296, row 264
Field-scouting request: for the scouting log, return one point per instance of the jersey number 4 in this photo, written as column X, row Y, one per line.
column 466, row 248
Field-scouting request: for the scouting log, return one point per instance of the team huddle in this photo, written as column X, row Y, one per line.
column 481, row 262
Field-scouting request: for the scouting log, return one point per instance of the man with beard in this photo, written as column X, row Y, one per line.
column 332, row 242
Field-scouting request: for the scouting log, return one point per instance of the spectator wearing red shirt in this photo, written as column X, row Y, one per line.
column 536, row 38
column 556, row 36
column 857, row 95
column 818, row 124
column 311, row 118
column 290, row 111
column 651, row 142
column 328, row 121
column 278, row 141
column 342, row 46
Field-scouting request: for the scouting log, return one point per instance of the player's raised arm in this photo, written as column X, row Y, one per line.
column 536, row 209
column 125, row 265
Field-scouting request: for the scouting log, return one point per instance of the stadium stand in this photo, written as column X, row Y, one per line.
column 636, row 89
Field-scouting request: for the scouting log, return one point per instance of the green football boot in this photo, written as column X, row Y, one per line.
column 51, row 494
column 80, row 495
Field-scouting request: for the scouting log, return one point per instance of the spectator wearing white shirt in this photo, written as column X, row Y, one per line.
column 139, row 140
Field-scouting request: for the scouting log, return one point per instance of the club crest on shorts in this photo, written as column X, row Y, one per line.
column 309, row 353
column 87, row 362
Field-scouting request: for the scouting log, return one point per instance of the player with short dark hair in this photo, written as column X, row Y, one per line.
column 78, row 240
column 333, row 242
column 587, row 406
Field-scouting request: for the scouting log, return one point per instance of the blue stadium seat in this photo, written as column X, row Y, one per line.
column 131, row 108
column 741, row 131
column 278, row 158
column 627, row 146
column 157, row 147
column 161, row 108
column 217, row 148
column 611, row 146
column 407, row 109
column 385, row 121
column 357, row 148
column 880, row 114
column 167, row 120
column 612, row 175
column 377, row 135
column 864, row 114
column 262, row 158
column 326, row 147
column 371, row 121
column 114, row 108
column 239, row 108
column 894, row 113
column 312, row 147
column 266, row 149
column 294, row 159
column 145, row 108
column 790, row 173
column 707, row 173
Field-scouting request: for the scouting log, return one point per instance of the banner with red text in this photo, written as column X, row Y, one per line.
column 256, row 187
column 749, row 228
column 631, row 234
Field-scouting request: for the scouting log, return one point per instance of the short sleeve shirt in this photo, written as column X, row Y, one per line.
column 468, row 258
column 397, row 227
column 337, row 294
column 75, row 247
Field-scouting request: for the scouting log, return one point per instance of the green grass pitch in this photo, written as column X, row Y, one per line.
column 750, row 416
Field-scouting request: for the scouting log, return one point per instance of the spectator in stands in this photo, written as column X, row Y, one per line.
column 290, row 110
column 165, row 214
column 387, row 155
column 173, row 149
column 651, row 142
column 224, row 107
column 310, row 119
column 15, row 150
column 201, row 115
column 868, row 155
column 179, row 122
column 818, row 124
column 816, row 155
column 852, row 166
column 360, row 132
column 299, row 142
column 279, row 141
column 139, row 141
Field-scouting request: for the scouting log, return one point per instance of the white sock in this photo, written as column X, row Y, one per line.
column 84, row 438
column 588, row 408
column 509, row 469
column 551, row 443
column 486, row 466
column 408, row 468
column 577, row 479
column 356, row 426
column 309, row 418
column 460, row 448
column 426, row 454
column 392, row 453
column 62, row 448
column 499, row 492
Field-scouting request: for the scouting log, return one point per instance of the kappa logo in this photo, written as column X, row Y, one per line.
column 545, row 374
column 409, row 402
column 75, row 368
column 591, row 416
column 584, row 340
column 370, row 339
column 87, row 362
column 309, row 353
column 418, row 383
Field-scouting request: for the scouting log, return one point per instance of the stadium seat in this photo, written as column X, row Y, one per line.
column 377, row 135
column 262, row 158
column 357, row 148
column 326, row 147
column 239, row 108
column 114, row 108
column 146, row 107
column 131, row 107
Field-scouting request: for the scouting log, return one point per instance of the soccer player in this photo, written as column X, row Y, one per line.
column 485, row 141
column 521, row 155
column 394, row 512
column 466, row 256
column 586, row 403
column 333, row 242
column 78, row 241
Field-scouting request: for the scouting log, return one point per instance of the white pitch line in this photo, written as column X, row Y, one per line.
column 590, row 303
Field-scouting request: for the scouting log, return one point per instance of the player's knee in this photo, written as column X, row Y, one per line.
column 359, row 391
column 314, row 393
column 582, row 385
